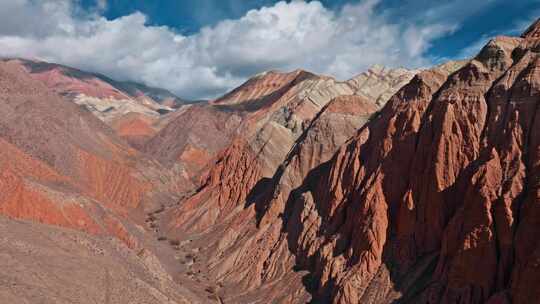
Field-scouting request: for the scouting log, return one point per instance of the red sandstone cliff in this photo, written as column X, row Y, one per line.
column 432, row 201
column 314, row 190
column 283, row 134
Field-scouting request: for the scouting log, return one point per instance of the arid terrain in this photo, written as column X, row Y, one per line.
column 395, row 186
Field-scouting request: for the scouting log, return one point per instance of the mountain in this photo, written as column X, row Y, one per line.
column 276, row 114
column 122, row 105
column 68, row 167
column 271, row 110
column 433, row 200
column 73, row 201
column 395, row 186
column 79, row 154
column 97, row 85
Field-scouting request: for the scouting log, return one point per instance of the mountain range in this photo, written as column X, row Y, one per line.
column 396, row 186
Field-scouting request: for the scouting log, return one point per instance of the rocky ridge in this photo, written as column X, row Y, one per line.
column 298, row 110
column 318, row 190
column 121, row 105
column 440, row 183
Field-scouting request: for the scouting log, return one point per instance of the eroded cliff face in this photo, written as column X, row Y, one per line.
column 284, row 135
column 433, row 200
column 429, row 203
column 275, row 110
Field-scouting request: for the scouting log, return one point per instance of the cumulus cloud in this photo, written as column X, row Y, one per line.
column 285, row 36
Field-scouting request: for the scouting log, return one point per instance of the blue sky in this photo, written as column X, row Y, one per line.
column 188, row 16
column 202, row 48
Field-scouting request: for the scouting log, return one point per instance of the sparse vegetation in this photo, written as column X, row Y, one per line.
column 162, row 238
column 174, row 242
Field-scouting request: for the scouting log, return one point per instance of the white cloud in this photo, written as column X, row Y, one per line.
column 101, row 4
column 285, row 36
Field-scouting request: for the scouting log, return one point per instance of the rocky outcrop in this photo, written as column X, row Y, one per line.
column 290, row 123
column 429, row 202
column 380, row 83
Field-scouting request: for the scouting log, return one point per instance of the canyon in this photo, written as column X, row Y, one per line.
column 396, row 186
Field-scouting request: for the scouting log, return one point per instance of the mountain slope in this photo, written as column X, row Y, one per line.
column 84, row 158
column 61, row 166
column 432, row 201
column 278, row 112
column 119, row 104
column 271, row 102
column 44, row 264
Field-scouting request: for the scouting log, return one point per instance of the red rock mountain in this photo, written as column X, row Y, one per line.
column 432, row 201
column 62, row 166
column 277, row 114
column 132, row 109
column 57, row 156
column 393, row 187
column 269, row 111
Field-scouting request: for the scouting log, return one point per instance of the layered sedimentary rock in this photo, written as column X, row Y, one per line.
column 380, row 83
column 62, row 166
column 71, row 141
column 386, row 188
column 106, row 98
column 280, row 104
column 274, row 109
column 122, row 105
column 290, row 123
column 431, row 201
column 135, row 128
